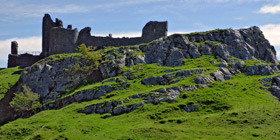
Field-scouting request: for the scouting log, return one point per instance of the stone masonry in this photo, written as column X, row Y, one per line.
column 56, row 40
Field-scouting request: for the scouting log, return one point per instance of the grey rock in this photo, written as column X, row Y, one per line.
column 221, row 51
column 136, row 96
column 240, row 64
column 172, row 95
column 110, row 80
column 213, row 62
column 190, row 108
column 227, row 74
column 150, row 81
column 275, row 80
column 234, row 71
column 275, row 90
column 269, row 79
column 161, row 90
column 223, row 64
column 174, row 88
column 259, row 70
column 203, row 80
column 119, row 80
column 175, row 59
column 205, row 50
column 218, row 75
column 118, row 110
column 162, row 81
column 189, row 88
column 193, row 51
column 155, row 81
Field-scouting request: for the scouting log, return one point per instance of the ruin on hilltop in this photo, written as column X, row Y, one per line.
column 57, row 40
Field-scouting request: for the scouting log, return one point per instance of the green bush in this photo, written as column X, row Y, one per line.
column 26, row 100
column 90, row 57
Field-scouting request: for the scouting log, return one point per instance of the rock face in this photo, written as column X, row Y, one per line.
column 52, row 77
column 243, row 43
column 261, row 70
column 167, row 78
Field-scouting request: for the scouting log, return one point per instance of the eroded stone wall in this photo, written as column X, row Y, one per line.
column 62, row 40
column 57, row 40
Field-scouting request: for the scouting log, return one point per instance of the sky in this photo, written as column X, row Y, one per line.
column 22, row 20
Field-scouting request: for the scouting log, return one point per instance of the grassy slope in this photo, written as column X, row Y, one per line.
column 236, row 109
column 8, row 77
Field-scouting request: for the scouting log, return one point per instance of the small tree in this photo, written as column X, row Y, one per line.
column 92, row 59
column 26, row 100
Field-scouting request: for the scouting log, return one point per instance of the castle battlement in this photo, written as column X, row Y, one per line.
column 56, row 40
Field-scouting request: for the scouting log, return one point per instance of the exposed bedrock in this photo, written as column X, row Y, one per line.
column 244, row 44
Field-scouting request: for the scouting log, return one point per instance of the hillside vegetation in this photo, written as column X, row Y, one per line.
column 8, row 78
column 240, row 108
column 171, row 88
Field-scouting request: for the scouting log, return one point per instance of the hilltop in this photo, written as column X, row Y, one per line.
column 219, row 84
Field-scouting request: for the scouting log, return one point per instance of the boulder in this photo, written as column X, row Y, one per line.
column 203, row 79
column 219, row 76
column 175, row 59
column 259, row 70
column 226, row 73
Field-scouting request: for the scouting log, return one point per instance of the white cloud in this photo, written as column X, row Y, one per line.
column 270, row 9
column 272, row 33
column 28, row 44
column 20, row 9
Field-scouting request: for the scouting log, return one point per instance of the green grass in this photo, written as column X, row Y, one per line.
column 252, row 62
column 8, row 77
column 253, row 114
column 214, row 42
column 234, row 109
column 207, row 32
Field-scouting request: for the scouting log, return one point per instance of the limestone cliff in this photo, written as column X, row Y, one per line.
column 244, row 44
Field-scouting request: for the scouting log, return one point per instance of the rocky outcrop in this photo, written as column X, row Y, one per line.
column 203, row 79
column 84, row 95
column 50, row 79
column 53, row 77
column 243, row 43
column 120, row 107
column 274, row 84
column 261, row 70
column 168, row 78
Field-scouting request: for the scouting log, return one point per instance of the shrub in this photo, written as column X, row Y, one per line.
column 26, row 100
column 91, row 58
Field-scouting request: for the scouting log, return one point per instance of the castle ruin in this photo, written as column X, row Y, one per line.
column 56, row 40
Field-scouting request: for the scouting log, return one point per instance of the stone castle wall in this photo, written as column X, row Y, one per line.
column 23, row 60
column 62, row 40
column 56, row 40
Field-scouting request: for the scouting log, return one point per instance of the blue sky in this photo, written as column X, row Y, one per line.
column 22, row 20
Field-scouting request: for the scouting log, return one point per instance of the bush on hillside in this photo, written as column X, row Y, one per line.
column 91, row 58
column 26, row 100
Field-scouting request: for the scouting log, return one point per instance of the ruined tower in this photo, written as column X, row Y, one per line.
column 62, row 40
column 22, row 60
column 14, row 48
column 57, row 40
column 154, row 30
column 46, row 27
